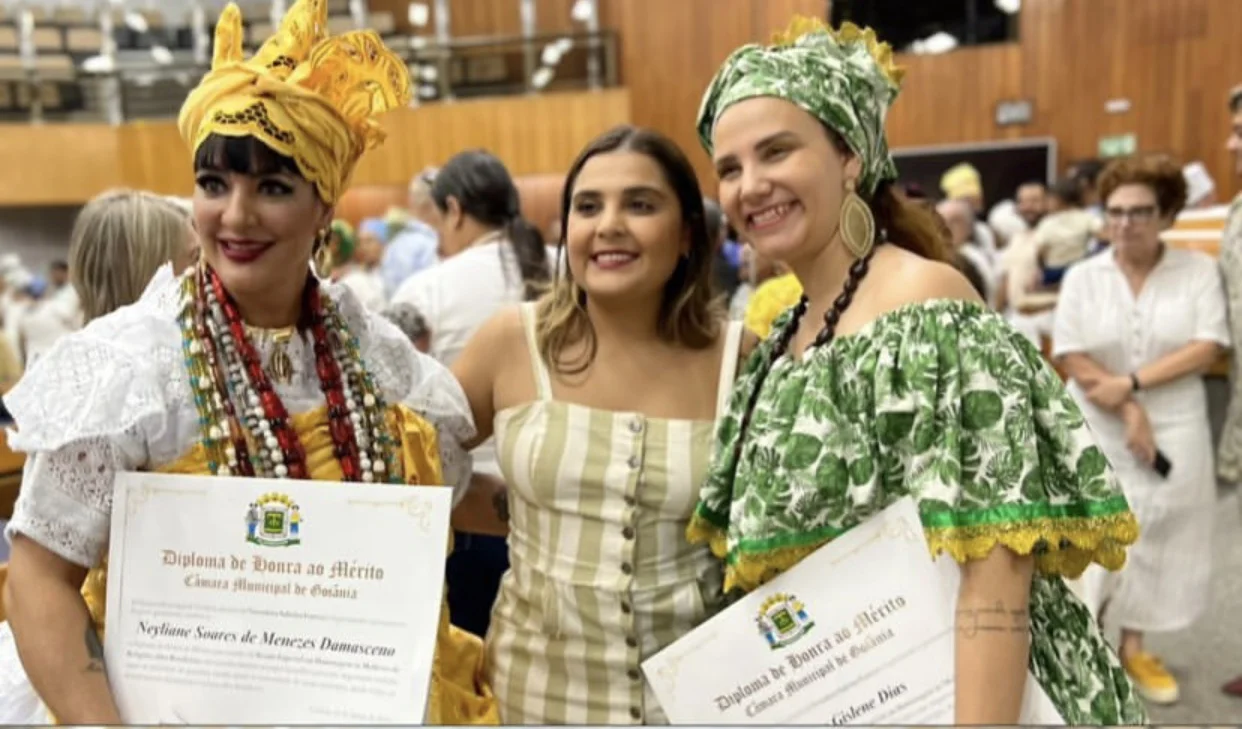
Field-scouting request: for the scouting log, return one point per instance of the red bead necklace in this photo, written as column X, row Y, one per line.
column 273, row 409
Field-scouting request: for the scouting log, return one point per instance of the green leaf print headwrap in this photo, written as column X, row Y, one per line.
column 845, row 78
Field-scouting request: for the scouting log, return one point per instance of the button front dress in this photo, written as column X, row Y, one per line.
column 601, row 575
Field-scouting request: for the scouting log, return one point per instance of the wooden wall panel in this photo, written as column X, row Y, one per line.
column 1174, row 61
column 489, row 17
column 400, row 13
column 65, row 164
column 774, row 15
column 153, row 157
column 669, row 53
column 553, row 16
column 532, row 134
column 484, row 17
column 941, row 103
column 57, row 164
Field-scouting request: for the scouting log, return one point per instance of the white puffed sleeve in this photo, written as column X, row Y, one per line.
column 83, row 413
column 65, row 503
column 95, row 405
column 436, row 395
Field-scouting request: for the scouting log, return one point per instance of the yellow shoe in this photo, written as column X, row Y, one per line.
column 1152, row 680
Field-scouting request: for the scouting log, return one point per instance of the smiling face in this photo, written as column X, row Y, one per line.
column 256, row 219
column 625, row 232
column 782, row 177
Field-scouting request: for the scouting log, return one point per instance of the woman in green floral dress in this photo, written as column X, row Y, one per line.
column 891, row 379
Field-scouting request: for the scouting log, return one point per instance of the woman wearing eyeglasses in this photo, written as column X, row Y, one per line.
column 1136, row 327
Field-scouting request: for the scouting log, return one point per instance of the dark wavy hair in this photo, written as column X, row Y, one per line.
column 690, row 314
column 482, row 186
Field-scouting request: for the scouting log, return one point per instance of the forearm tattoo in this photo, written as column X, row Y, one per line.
column 971, row 621
column 94, row 649
column 500, row 502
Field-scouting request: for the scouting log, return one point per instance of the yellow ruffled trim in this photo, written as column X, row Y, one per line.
column 699, row 531
column 881, row 53
column 1099, row 539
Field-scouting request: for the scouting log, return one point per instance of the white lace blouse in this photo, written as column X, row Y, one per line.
column 115, row 396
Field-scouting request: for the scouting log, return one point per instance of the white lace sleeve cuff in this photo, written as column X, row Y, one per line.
column 65, row 504
column 440, row 399
column 433, row 392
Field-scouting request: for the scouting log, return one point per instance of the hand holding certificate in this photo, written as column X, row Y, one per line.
column 859, row 632
column 248, row 601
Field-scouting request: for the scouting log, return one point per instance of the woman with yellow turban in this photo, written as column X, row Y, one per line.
column 245, row 365
column 889, row 379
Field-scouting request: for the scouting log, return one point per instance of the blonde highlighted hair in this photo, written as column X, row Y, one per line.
column 690, row 312
column 119, row 240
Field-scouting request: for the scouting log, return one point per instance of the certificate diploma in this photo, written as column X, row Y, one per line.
column 250, row 601
column 859, row 632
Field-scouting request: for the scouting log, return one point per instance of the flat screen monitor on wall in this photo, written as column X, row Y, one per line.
column 1003, row 166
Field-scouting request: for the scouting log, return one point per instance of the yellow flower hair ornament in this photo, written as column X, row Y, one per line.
column 306, row 95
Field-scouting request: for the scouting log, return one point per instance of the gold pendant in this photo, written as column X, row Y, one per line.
column 279, row 366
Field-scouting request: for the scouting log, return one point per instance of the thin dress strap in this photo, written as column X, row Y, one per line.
column 728, row 368
column 543, row 382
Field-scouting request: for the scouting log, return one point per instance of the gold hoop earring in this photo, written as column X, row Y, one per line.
column 857, row 223
column 321, row 254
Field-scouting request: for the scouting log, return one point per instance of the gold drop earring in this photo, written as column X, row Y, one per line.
column 322, row 256
column 857, row 223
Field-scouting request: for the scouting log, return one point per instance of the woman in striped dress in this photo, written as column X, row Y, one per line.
column 602, row 398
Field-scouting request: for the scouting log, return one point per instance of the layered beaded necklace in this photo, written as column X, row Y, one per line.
column 245, row 428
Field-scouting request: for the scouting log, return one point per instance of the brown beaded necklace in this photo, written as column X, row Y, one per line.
column 858, row 270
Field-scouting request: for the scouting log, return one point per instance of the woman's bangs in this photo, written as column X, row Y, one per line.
column 242, row 156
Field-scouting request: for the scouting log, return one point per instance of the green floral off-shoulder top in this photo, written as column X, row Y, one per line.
column 940, row 400
column 943, row 401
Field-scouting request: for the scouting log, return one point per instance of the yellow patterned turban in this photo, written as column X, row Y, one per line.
column 307, row 96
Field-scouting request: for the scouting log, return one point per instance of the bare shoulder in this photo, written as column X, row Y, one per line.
column 504, row 330
column 907, row 278
column 500, row 336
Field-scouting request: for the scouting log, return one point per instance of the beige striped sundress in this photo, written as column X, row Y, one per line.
column 601, row 576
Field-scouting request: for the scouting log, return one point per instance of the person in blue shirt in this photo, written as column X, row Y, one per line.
column 415, row 245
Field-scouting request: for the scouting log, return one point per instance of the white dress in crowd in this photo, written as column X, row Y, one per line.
column 116, row 396
column 1164, row 585
column 58, row 313
column 457, row 296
